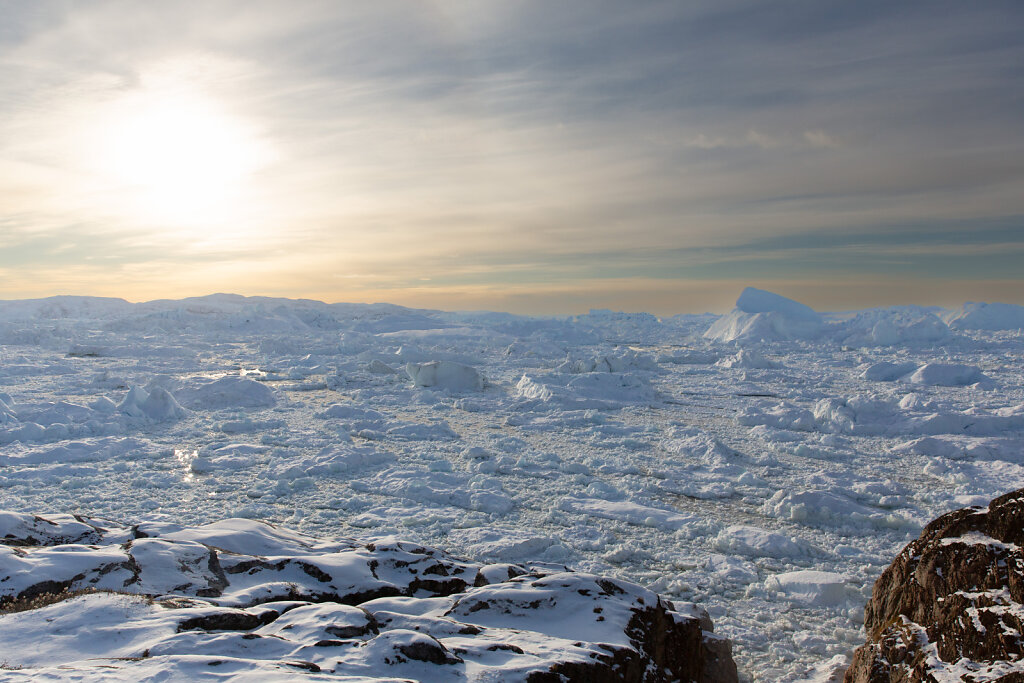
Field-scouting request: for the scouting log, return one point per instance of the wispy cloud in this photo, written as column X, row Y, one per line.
column 523, row 143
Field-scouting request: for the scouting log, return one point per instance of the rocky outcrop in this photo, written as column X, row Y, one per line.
column 252, row 599
column 949, row 607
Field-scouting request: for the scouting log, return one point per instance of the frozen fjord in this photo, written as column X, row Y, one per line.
column 766, row 464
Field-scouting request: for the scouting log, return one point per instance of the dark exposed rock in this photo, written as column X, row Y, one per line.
column 448, row 587
column 433, row 652
column 354, row 631
column 950, row 605
column 665, row 650
column 46, row 587
column 662, row 646
column 228, row 620
column 331, row 643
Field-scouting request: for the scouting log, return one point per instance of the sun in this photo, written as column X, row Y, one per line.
column 177, row 159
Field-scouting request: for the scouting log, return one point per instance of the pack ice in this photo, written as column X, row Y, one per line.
column 766, row 464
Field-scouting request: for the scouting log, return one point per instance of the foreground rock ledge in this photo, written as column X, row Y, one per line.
column 238, row 598
column 949, row 607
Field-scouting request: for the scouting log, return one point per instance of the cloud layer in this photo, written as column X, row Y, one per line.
column 524, row 154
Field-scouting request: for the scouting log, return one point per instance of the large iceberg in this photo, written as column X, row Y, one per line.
column 982, row 316
column 764, row 316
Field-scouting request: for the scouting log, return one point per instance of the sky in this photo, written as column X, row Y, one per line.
column 533, row 157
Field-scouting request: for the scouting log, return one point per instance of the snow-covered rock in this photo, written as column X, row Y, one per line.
column 949, row 606
column 243, row 598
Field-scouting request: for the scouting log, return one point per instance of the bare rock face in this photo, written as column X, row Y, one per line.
column 263, row 602
column 949, row 607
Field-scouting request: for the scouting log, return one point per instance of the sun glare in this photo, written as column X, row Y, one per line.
column 177, row 159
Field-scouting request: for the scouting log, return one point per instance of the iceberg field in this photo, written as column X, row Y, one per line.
column 766, row 464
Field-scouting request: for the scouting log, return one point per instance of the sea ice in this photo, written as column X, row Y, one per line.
column 445, row 375
column 611, row 443
column 984, row 316
column 812, row 587
column 764, row 316
column 947, row 375
column 757, row 542
column 230, row 391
